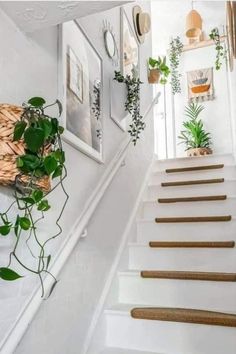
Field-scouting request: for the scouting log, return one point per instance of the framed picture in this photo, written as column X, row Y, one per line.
column 81, row 82
column 129, row 48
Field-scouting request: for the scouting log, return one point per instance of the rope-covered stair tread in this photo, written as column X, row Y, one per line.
column 204, row 198
column 191, row 182
column 194, row 168
column 186, row 275
column 184, row 315
column 192, row 244
column 194, row 219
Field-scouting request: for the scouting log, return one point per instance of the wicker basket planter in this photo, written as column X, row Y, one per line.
column 154, row 76
column 10, row 150
column 199, row 152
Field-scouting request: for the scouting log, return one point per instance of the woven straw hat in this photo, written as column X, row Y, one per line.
column 142, row 23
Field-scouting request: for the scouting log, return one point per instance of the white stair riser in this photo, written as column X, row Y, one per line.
column 133, row 289
column 226, row 172
column 202, row 231
column 198, row 259
column 169, row 337
column 161, row 165
column 155, row 209
column 157, row 191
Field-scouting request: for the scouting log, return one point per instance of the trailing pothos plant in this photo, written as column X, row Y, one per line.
column 160, row 65
column 176, row 48
column 44, row 158
column 132, row 104
column 221, row 52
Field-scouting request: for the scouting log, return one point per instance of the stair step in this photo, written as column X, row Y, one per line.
column 194, row 168
column 194, row 219
column 148, row 229
column 166, row 337
column 182, row 275
column 193, row 199
column 191, row 182
column 192, row 244
column 143, row 257
column 185, row 315
column 177, row 293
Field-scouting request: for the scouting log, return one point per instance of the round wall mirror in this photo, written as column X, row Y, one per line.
column 110, row 43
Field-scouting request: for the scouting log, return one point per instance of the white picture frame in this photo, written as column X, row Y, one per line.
column 80, row 91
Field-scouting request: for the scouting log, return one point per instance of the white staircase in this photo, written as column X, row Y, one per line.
column 191, row 267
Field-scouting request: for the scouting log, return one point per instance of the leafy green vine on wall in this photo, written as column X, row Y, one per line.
column 221, row 52
column 132, row 104
column 176, row 48
column 44, row 158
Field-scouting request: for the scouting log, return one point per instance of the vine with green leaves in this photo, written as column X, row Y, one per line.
column 221, row 52
column 44, row 158
column 132, row 104
column 176, row 48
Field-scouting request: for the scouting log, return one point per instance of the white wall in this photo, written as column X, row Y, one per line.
column 216, row 113
column 28, row 67
column 169, row 21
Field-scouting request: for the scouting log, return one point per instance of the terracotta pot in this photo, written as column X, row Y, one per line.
column 199, row 152
column 154, row 76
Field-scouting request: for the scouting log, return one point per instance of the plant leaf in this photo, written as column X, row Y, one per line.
column 5, row 229
column 50, row 164
column 57, row 172
column 43, row 205
column 25, row 223
column 19, row 130
column 9, row 274
column 37, row 195
column 60, row 107
column 34, row 138
column 37, row 102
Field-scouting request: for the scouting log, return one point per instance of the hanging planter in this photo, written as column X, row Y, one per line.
column 158, row 71
column 176, row 48
column 31, row 155
column 132, row 104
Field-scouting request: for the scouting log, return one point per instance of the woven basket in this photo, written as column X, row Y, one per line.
column 10, row 150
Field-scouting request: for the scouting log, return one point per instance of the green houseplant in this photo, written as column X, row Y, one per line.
column 221, row 53
column 197, row 141
column 176, row 48
column 132, row 104
column 43, row 158
column 158, row 71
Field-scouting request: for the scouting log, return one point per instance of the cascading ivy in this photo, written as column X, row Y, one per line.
column 176, row 47
column 132, row 104
column 221, row 53
column 44, row 158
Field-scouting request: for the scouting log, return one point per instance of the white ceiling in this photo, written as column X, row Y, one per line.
column 33, row 15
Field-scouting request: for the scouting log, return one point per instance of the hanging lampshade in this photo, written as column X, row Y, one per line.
column 193, row 24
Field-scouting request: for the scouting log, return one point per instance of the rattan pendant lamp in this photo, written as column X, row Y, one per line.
column 193, row 24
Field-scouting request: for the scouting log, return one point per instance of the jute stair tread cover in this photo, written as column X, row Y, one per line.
column 204, row 198
column 192, row 244
column 194, row 168
column 188, row 183
column 185, row 275
column 184, row 315
column 194, row 219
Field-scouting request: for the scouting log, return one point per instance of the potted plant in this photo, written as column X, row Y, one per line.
column 132, row 104
column 158, row 71
column 195, row 138
column 36, row 159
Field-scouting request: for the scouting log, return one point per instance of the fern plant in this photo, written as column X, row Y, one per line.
column 194, row 134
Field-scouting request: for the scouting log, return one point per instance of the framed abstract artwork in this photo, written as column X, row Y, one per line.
column 129, row 48
column 80, row 87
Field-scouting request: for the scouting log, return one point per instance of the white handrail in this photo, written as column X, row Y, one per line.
column 9, row 343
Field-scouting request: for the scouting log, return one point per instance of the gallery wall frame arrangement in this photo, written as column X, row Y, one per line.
column 81, row 73
column 129, row 47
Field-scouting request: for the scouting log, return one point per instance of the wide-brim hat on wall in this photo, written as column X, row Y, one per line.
column 142, row 23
